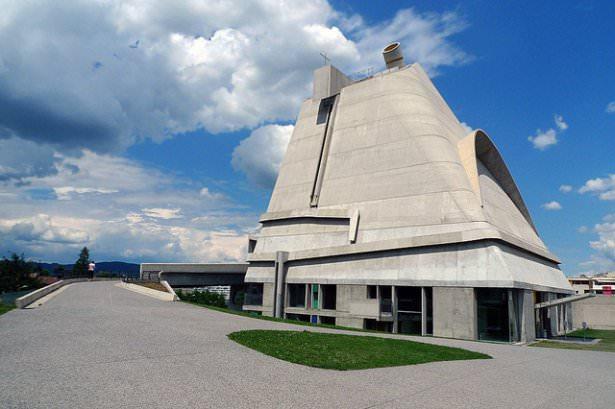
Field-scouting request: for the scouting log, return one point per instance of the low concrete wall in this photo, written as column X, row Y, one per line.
column 598, row 312
column 29, row 298
column 169, row 289
column 147, row 291
column 454, row 312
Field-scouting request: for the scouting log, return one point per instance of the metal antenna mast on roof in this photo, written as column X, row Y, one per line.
column 327, row 59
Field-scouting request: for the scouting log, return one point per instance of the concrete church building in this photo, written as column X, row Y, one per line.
column 387, row 214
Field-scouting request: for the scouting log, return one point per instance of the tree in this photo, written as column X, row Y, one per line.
column 80, row 269
column 16, row 273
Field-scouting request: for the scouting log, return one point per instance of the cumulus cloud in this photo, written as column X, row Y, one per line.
column 104, row 75
column 565, row 188
column 425, row 38
column 161, row 213
column 82, row 81
column 467, row 128
column 134, row 212
column 41, row 228
column 604, row 188
column 559, row 122
column 604, row 257
column 20, row 159
column 553, row 205
column 209, row 195
column 260, row 155
column 610, row 108
column 542, row 140
column 67, row 192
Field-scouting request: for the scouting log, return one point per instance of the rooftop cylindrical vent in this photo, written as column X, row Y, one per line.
column 393, row 56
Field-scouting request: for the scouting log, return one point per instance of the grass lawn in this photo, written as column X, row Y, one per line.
column 5, row 308
column 346, row 352
column 607, row 343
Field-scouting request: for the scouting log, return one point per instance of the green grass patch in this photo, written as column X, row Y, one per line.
column 607, row 342
column 346, row 352
column 5, row 308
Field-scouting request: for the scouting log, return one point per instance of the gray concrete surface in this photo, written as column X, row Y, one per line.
column 454, row 313
column 99, row 346
column 598, row 312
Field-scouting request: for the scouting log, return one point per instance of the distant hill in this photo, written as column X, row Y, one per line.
column 119, row 267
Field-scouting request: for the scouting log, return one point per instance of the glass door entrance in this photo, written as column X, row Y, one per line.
column 409, row 310
column 493, row 320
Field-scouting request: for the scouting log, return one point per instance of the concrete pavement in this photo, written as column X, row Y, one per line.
column 99, row 346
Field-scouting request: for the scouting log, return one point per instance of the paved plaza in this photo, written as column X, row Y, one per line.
column 95, row 345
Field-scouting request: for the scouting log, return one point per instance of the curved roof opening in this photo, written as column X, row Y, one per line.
column 478, row 145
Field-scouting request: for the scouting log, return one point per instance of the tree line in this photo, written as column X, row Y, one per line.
column 17, row 273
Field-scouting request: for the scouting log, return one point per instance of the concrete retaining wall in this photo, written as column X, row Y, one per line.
column 29, row 298
column 170, row 289
column 147, row 291
column 598, row 312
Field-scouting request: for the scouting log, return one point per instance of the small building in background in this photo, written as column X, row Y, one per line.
column 603, row 283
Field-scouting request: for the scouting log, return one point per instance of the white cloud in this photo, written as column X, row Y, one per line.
column 161, row 213
column 260, row 155
column 425, row 38
column 209, row 195
column 41, row 228
column 610, row 108
column 565, row 188
column 82, row 81
column 143, row 215
column 604, row 188
column 542, row 140
column 467, row 128
column 583, row 229
column 604, row 258
column 66, row 192
column 559, row 122
column 104, row 75
column 553, row 205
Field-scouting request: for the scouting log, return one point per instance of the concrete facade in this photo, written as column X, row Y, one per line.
column 381, row 186
column 598, row 312
column 384, row 195
column 454, row 312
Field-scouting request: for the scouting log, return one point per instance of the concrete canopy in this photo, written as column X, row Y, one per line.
column 381, row 169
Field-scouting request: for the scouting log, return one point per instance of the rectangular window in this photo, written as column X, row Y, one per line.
column 327, row 320
column 298, row 317
column 254, row 294
column 372, row 292
column 373, row 325
column 329, row 296
column 324, row 109
column 386, row 300
column 315, row 304
column 296, row 295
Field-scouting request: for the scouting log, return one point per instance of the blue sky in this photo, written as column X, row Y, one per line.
column 143, row 153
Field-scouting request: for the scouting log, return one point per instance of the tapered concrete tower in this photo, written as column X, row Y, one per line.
column 388, row 214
